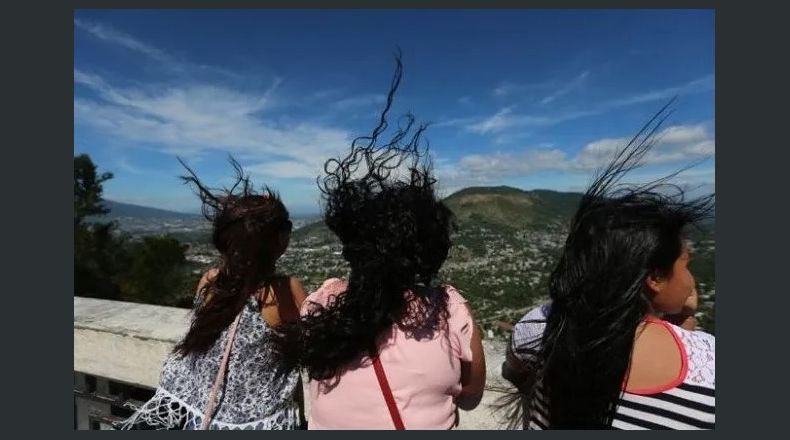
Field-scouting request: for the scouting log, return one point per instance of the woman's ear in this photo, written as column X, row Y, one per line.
column 655, row 282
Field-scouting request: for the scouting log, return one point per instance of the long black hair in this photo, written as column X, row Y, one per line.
column 619, row 235
column 381, row 203
column 245, row 227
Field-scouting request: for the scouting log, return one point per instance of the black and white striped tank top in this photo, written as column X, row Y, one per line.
column 687, row 403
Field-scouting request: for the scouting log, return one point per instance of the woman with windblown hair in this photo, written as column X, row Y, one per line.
column 604, row 354
column 227, row 372
column 389, row 347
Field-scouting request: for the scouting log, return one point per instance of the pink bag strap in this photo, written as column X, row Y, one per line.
column 211, row 405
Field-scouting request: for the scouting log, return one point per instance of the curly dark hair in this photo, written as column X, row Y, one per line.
column 381, row 203
column 245, row 227
column 619, row 235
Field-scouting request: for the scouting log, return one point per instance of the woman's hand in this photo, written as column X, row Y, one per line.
column 692, row 303
column 685, row 319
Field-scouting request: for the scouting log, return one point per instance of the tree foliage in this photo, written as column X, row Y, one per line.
column 109, row 264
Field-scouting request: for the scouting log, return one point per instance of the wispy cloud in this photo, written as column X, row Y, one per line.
column 499, row 121
column 567, row 88
column 511, row 137
column 122, row 163
column 358, row 101
column 164, row 58
column 507, row 88
column 111, row 35
column 308, row 167
column 455, row 122
column 506, row 118
column 699, row 85
column 191, row 103
column 327, row 93
column 196, row 118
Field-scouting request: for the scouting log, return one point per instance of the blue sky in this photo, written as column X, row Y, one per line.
column 527, row 98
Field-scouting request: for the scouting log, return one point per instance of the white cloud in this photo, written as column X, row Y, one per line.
column 694, row 181
column 704, row 148
column 684, row 134
column 505, row 164
column 598, row 153
column 195, row 118
column 683, row 143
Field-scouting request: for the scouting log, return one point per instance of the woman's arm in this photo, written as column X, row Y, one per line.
column 473, row 374
column 517, row 371
column 298, row 292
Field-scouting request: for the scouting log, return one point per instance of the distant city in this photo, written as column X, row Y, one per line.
column 500, row 266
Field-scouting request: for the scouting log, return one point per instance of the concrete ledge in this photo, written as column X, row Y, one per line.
column 128, row 342
column 124, row 341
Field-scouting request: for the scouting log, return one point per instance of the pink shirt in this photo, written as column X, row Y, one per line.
column 424, row 376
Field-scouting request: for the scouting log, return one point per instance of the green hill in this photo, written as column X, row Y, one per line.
column 511, row 208
column 500, row 207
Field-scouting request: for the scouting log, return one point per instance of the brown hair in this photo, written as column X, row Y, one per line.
column 246, row 226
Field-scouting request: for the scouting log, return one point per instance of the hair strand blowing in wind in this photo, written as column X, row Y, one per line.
column 380, row 201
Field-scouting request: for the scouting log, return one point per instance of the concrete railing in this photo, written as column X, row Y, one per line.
column 128, row 342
